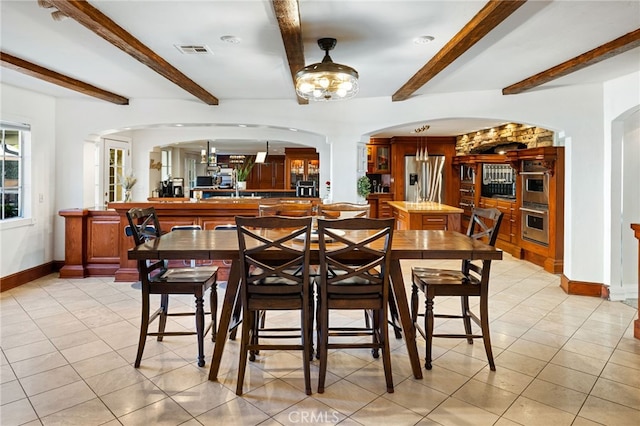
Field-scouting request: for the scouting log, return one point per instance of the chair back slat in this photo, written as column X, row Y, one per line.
column 343, row 210
column 286, row 209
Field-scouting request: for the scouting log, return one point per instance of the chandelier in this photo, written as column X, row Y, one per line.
column 326, row 80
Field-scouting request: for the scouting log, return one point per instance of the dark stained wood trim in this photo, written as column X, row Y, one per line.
column 33, row 70
column 102, row 25
column 288, row 15
column 491, row 15
column 583, row 288
column 28, row 275
column 620, row 45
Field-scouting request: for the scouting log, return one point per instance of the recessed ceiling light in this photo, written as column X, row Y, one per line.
column 423, row 39
column 179, row 125
column 292, row 129
column 242, row 125
column 231, row 39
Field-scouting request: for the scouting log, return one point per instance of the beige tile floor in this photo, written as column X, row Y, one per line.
column 68, row 347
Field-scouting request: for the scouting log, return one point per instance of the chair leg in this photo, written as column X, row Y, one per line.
column 200, row 327
column 247, row 326
column 213, row 303
column 237, row 311
column 306, row 348
column 164, row 305
column 486, row 337
column 395, row 316
column 428, row 329
column 254, row 324
column 323, row 341
column 376, row 330
column 386, row 355
column 414, row 303
column 466, row 319
column 144, row 328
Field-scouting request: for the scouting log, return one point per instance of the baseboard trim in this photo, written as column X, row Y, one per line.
column 23, row 277
column 583, row 288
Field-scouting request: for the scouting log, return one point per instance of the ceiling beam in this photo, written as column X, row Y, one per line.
column 102, row 25
column 620, row 45
column 33, row 70
column 491, row 15
column 288, row 15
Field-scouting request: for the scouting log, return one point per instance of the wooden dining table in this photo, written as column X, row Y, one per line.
column 406, row 244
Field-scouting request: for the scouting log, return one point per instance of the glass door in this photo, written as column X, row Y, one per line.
column 116, row 159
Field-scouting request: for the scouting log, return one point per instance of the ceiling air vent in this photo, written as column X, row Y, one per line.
column 193, row 49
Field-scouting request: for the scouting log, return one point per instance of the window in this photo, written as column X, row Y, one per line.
column 12, row 137
column 165, row 172
column 191, row 172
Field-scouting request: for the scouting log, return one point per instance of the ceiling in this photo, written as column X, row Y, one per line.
column 376, row 37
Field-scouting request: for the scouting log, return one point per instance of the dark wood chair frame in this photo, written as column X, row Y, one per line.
column 275, row 276
column 354, row 275
column 335, row 210
column 286, row 209
column 157, row 278
column 471, row 280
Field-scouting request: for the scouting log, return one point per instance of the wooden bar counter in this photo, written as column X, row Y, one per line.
column 96, row 245
column 426, row 215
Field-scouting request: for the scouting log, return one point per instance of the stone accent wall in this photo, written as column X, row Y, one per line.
column 510, row 135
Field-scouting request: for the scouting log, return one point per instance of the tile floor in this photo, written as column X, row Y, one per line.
column 68, row 347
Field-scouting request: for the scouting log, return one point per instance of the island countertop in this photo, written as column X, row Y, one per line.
column 426, row 207
column 425, row 215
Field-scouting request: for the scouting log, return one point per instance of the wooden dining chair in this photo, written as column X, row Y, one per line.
column 286, row 209
column 471, row 280
column 354, row 275
column 157, row 278
column 343, row 210
column 275, row 255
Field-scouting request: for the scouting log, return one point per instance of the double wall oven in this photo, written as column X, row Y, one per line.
column 535, row 202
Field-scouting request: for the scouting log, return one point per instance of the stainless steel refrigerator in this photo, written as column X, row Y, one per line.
column 424, row 180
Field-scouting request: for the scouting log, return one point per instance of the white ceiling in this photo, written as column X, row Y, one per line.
column 374, row 36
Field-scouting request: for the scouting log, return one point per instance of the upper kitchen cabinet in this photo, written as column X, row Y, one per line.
column 379, row 159
column 301, row 164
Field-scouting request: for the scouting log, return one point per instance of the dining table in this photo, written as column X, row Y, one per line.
column 406, row 244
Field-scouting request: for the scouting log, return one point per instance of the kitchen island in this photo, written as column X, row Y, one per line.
column 425, row 215
column 96, row 244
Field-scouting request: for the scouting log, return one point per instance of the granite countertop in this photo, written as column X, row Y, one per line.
column 426, row 207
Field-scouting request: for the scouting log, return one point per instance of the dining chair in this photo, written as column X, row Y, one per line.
column 275, row 254
column 343, row 210
column 354, row 275
column 286, row 209
column 157, row 278
column 471, row 280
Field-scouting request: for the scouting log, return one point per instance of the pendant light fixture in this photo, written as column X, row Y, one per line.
column 327, row 80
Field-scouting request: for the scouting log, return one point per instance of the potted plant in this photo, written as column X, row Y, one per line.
column 243, row 170
column 364, row 186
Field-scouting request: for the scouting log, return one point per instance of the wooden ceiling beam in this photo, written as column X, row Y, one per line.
column 288, row 15
column 620, row 45
column 491, row 15
column 33, row 70
column 102, row 25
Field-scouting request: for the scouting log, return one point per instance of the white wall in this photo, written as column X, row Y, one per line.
column 335, row 128
column 28, row 243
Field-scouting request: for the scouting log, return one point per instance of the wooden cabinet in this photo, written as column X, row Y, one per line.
column 378, row 159
column 509, row 229
column 301, row 164
column 269, row 175
column 379, row 203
